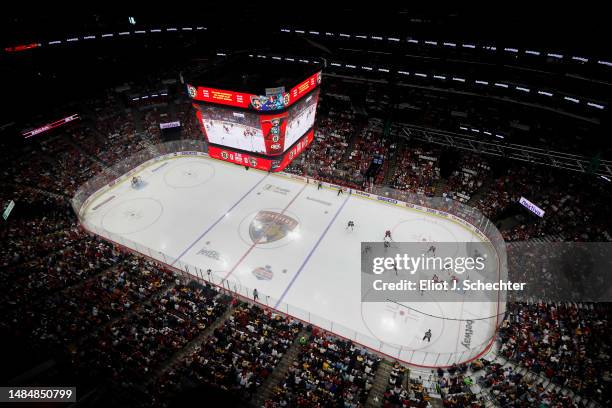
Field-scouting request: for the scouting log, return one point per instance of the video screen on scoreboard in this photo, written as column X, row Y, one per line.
column 236, row 129
column 301, row 118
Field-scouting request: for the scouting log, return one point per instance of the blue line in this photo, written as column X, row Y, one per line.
column 219, row 220
column 314, row 248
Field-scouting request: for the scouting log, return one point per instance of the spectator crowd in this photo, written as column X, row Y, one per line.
column 133, row 323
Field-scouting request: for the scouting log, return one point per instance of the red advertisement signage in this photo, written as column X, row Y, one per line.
column 261, row 103
column 303, row 88
column 23, row 47
column 243, row 159
column 221, row 97
column 57, row 123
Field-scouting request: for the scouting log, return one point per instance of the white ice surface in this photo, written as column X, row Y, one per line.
column 188, row 209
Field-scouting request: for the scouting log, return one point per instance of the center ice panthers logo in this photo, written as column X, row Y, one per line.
column 270, row 226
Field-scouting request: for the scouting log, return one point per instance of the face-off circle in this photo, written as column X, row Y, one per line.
column 188, row 175
column 399, row 326
column 132, row 216
column 427, row 232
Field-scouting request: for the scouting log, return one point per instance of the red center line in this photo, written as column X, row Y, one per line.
column 262, row 235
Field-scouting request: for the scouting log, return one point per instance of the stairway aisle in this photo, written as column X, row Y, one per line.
column 440, row 185
column 480, row 192
column 381, row 381
column 391, row 166
column 280, row 371
column 188, row 349
column 351, row 142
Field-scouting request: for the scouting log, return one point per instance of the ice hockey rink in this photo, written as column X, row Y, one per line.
column 196, row 212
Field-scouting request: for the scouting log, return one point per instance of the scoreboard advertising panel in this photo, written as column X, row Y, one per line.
column 304, row 87
column 262, row 163
column 268, row 134
column 258, row 103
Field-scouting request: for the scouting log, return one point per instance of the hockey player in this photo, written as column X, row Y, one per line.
column 432, row 250
column 350, row 225
column 340, row 191
column 136, row 182
column 427, row 336
column 320, row 185
column 388, row 234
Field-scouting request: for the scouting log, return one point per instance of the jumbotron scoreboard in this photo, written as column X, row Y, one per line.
column 257, row 113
